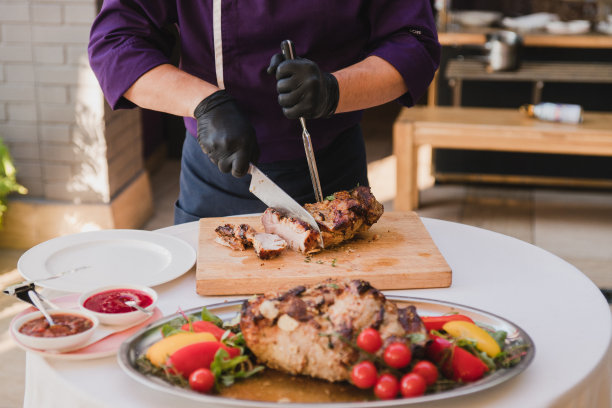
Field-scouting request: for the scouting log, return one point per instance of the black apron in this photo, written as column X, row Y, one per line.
column 206, row 192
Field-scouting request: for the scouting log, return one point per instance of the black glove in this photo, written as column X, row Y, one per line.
column 303, row 89
column 225, row 134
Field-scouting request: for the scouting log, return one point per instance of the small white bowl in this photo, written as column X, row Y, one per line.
column 120, row 319
column 62, row 343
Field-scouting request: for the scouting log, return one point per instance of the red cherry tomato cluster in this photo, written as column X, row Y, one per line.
column 397, row 356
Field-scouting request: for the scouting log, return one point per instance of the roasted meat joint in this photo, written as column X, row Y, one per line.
column 340, row 217
column 309, row 330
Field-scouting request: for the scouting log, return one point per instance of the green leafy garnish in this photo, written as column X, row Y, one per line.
column 500, row 338
column 145, row 366
column 330, row 198
column 307, row 259
column 333, row 262
column 227, row 370
column 209, row 317
column 172, row 327
column 416, row 337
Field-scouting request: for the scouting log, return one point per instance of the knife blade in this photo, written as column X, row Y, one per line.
column 274, row 197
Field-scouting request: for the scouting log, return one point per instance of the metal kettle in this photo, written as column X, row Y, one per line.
column 502, row 51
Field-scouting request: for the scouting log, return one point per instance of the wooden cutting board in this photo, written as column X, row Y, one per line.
column 396, row 253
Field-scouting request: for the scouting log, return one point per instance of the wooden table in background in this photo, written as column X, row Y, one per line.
column 487, row 129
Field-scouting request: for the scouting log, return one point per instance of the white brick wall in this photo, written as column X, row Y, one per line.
column 19, row 73
column 17, row 92
column 76, row 13
column 49, row 54
column 15, row 53
column 47, row 13
column 52, row 94
column 16, row 33
column 22, row 112
column 52, row 113
column 18, row 11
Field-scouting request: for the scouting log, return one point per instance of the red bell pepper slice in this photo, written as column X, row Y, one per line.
column 455, row 362
column 436, row 322
column 186, row 360
column 207, row 327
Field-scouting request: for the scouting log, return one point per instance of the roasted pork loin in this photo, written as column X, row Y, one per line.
column 348, row 213
column 339, row 219
column 243, row 236
column 305, row 330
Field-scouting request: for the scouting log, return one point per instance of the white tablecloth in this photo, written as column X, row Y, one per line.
column 562, row 310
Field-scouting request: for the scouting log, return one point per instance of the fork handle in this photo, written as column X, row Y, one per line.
column 288, row 49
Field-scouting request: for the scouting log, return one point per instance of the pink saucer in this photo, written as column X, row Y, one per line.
column 105, row 347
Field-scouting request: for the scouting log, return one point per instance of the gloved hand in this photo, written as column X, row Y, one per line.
column 225, row 134
column 303, row 89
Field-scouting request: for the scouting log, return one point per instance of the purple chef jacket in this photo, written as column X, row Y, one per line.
column 127, row 40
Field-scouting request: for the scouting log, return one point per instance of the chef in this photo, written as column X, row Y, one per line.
column 241, row 99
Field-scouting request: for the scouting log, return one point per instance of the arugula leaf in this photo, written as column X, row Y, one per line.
column 500, row 338
column 209, row 317
column 417, row 337
column 172, row 327
column 227, row 370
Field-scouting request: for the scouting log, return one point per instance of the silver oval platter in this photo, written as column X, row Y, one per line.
column 137, row 345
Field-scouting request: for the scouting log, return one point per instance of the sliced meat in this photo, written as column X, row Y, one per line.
column 347, row 214
column 237, row 237
column 299, row 235
column 307, row 330
column 240, row 237
column 268, row 246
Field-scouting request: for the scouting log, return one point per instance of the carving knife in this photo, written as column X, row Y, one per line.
column 289, row 54
column 274, row 197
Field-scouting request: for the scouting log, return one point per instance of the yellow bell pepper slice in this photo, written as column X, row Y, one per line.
column 469, row 331
column 159, row 351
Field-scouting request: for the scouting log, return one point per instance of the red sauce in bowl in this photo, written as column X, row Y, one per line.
column 113, row 301
column 65, row 325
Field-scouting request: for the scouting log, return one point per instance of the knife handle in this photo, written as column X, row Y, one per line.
column 288, row 49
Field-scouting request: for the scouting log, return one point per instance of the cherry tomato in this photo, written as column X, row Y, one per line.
column 202, row 380
column 364, row 374
column 412, row 385
column 369, row 340
column 397, row 355
column 427, row 370
column 387, row 387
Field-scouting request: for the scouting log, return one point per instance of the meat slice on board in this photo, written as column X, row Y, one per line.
column 340, row 219
column 243, row 236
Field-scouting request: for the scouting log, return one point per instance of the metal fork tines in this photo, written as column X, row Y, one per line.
column 312, row 163
column 288, row 51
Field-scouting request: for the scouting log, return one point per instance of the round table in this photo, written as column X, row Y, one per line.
column 561, row 309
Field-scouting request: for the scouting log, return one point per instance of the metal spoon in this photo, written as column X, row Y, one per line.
column 39, row 305
column 133, row 304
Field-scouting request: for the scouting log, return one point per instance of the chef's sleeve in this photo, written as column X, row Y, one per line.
column 127, row 39
column 403, row 33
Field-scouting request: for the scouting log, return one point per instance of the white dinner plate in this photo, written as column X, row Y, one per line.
column 107, row 257
column 137, row 344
